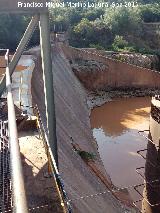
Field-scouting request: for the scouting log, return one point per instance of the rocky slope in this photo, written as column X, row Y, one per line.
column 146, row 61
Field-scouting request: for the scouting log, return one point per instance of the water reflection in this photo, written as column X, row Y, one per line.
column 121, row 115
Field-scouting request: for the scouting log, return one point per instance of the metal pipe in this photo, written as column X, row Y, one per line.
column 25, row 39
column 18, row 190
column 48, row 83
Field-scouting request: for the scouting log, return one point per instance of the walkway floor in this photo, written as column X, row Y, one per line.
column 41, row 191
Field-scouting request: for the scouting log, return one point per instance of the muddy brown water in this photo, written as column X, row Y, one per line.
column 115, row 127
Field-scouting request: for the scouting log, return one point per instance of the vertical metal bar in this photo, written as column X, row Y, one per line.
column 25, row 39
column 3, row 174
column 48, row 83
column 19, row 197
column 20, row 92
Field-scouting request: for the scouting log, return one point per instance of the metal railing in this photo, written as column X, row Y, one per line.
column 52, row 166
column 18, row 190
column 67, row 208
column 153, row 183
column 19, row 203
column 157, row 97
column 5, row 179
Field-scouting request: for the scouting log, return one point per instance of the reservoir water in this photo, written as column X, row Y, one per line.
column 115, row 127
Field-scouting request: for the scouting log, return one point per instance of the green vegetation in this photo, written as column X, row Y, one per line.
column 87, row 156
column 12, row 27
column 118, row 29
column 120, row 44
column 150, row 13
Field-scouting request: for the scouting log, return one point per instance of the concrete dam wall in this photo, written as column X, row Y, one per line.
column 72, row 117
column 116, row 75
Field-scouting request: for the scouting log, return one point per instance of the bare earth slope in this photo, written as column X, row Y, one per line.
column 73, row 121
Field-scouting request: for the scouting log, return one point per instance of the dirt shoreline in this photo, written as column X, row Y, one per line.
column 98, row 98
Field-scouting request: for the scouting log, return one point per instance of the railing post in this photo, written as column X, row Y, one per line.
column 48, row 83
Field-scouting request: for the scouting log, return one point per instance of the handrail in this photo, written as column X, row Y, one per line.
column 18, row 190
column 59, row 183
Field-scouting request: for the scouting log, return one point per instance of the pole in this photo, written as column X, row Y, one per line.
column 48, row 83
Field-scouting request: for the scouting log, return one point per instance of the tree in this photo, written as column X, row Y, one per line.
column 123, row 20
column 12, row 28
column 82, row 33
column 93, row 14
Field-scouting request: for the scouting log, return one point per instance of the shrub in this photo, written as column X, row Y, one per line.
column 87, row 156
column 120, row 44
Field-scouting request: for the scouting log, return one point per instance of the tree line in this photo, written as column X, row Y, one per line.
column 112, row 28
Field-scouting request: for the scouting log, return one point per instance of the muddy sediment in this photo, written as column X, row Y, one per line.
column 98, row 98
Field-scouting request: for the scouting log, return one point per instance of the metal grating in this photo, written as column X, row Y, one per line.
column 154, row 184
column 5, row 177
